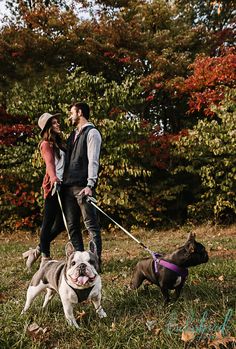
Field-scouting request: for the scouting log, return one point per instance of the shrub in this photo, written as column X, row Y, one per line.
column 209, row 155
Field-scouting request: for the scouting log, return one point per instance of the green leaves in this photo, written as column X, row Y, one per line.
column 123, row 174
column 129, row 61
column 210, row 153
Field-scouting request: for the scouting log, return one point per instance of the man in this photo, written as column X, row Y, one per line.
column 80, row 177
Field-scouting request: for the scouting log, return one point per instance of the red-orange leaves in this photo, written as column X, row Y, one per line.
column 211, row 75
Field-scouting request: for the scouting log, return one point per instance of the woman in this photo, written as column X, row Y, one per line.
column 52, row 150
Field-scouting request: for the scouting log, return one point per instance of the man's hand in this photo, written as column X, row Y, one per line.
column 86, row 192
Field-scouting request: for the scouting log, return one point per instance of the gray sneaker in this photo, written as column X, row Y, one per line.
column 32, row 255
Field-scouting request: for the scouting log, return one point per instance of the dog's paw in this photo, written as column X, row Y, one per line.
column 72, row 323
column 102, row 313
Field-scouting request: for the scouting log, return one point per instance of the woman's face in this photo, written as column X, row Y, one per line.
column 56, row 126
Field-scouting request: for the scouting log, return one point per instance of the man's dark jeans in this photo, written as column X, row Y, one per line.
column 75, row 206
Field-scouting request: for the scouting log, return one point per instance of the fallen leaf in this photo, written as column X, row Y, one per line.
column 221, row 278
column 187, row 336
column 221, row 342
column 157, row 331
column 3, row 298
column 36, row 332
column 219, row 335
column 114, row 278
column 151, row 324
column 80, row 315
column 33, row 327
column 196, row 282
column 113, row 326
column 196, row 300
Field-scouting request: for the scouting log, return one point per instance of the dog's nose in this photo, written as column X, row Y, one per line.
column 82, row 267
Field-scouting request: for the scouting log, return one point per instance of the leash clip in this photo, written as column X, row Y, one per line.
column 91, row 199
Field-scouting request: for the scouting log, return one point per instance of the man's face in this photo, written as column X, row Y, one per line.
column 75, row 115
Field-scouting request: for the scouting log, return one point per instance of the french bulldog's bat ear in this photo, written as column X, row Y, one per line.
column 92, row 247
column 191, row 236
column 190, row 246
column 190, row 243
column 69, row 249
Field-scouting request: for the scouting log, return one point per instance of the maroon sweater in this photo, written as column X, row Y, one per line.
column 49, row 158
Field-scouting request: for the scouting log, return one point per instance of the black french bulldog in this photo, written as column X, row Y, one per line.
column 170, row 271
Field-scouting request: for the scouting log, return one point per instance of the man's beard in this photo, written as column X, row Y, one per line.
column 73, row 120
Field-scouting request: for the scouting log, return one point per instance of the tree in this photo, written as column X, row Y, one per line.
column 120, row 130
column 211, row 77
column 215, row 15
column 149, row 40
column 129, row 60
column 140, row 38
column 217, row 19
column 208, row 153
column 36, row 47
column 17, row 7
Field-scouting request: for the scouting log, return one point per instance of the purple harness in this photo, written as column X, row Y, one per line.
column 183, row 272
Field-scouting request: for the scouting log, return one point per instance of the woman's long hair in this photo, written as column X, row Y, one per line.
column 54, row 138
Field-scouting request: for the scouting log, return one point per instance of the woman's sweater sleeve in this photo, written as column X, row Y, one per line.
column 48, row 156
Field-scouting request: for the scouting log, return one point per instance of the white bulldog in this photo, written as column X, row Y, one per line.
column 75, row 280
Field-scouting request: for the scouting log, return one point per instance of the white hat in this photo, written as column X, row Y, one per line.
column 42, row 122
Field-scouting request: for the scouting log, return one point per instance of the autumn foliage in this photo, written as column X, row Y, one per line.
column 207, row 84
column 150, row 70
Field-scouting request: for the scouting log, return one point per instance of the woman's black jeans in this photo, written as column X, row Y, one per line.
column 52, row 224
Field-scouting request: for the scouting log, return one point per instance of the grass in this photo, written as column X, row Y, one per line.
column 136, row 319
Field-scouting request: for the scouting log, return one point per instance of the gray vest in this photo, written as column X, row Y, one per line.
column 76, row 161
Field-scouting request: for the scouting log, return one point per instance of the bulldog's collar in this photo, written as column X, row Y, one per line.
column 82, row 294
column 183, row 272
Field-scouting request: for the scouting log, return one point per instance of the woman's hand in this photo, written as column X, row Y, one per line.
column 56, row 187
